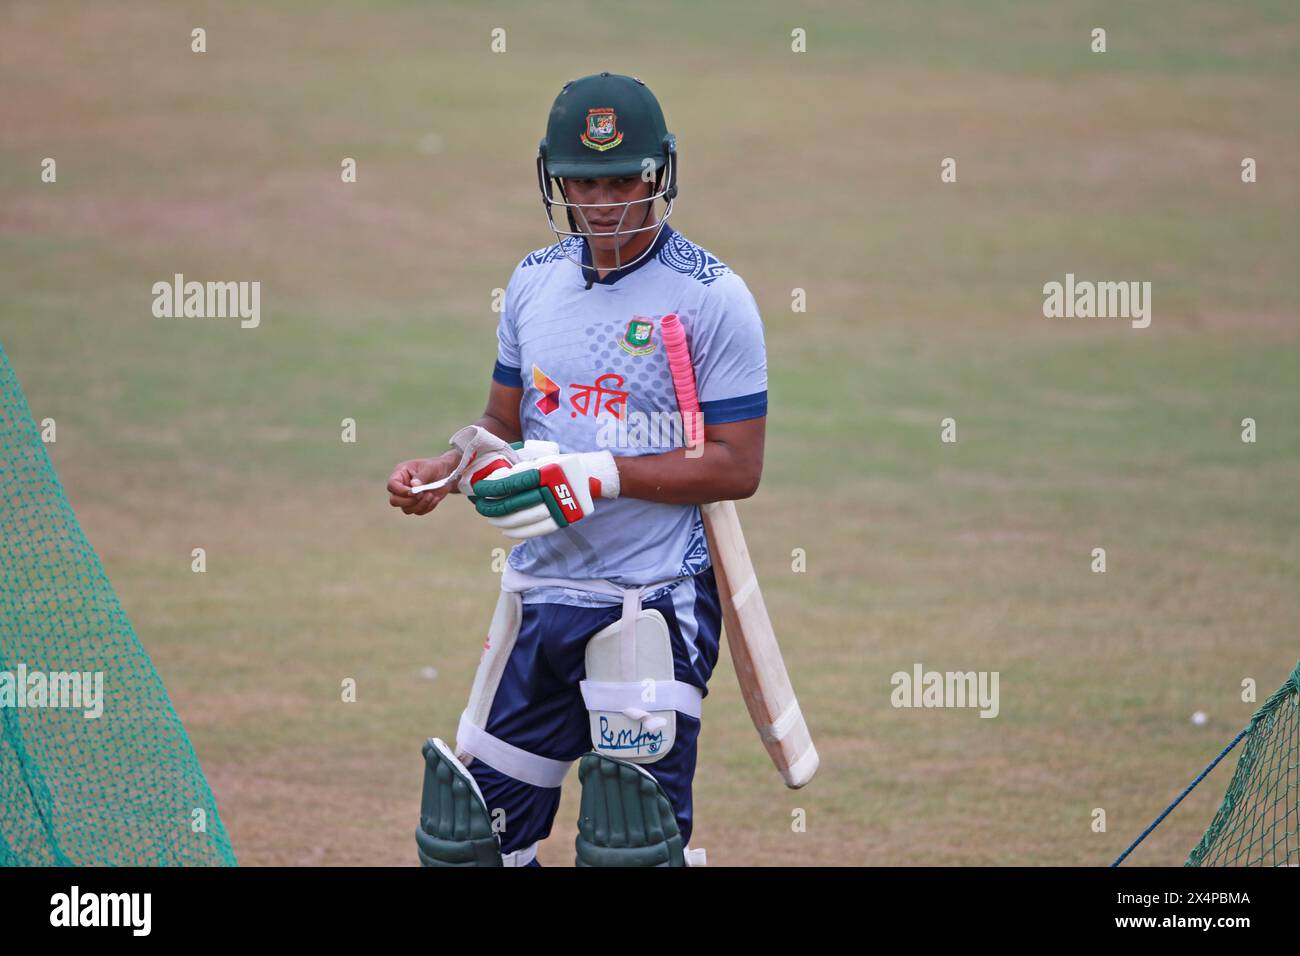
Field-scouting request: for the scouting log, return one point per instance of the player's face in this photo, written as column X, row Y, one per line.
column 603, row 197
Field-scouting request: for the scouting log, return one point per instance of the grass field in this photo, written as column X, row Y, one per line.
column 817, row 171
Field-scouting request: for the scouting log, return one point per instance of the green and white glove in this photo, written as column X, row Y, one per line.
column 541, row 495
column 488, row 454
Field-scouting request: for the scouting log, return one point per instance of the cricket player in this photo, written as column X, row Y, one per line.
column 607, row 629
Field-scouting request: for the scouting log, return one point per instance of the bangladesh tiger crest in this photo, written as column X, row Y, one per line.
column 602, row 129
column 639, row 338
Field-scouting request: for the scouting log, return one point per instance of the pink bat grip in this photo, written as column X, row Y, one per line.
column 683, row 373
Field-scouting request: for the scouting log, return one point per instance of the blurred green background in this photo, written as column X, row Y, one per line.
column 817, row 171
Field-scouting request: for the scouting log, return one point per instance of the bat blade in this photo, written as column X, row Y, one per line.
column 760, row 668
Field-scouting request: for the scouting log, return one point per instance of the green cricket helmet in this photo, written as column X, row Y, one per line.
column 606, row 125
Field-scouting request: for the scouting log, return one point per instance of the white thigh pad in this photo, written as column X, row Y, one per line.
column 501, row 636
column 473, row 742
column 631, row 693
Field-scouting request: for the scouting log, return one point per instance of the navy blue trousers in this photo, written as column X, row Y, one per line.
column 539, row 708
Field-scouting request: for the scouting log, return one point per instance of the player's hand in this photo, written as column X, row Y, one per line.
column 541, row 495
column 418, row 471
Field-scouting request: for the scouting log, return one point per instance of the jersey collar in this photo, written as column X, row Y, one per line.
column 589, row 274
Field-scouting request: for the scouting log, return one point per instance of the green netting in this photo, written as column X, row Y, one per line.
column 1258, row 823
column 122, row 788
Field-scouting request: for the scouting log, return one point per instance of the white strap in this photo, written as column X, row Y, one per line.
column 520, row 857
column 786, row 721
column 627, row 633
column 803, row 768
column 507, row 758
column 513, row 579
column 628, row 695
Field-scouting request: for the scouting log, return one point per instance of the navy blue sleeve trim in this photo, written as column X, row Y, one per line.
column 510, row 377
column 735, row 409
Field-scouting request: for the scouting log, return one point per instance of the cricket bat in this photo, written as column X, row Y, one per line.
column 764, row 682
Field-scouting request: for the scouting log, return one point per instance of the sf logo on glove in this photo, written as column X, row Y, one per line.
column 541, row 495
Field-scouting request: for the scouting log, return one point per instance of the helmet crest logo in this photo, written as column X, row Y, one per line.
column 602, row 129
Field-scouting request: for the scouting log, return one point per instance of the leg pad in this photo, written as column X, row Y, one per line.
column 626, row 818
column 455, row 829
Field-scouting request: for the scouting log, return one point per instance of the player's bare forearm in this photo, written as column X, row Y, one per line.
column 501, row 417
column 728, row 469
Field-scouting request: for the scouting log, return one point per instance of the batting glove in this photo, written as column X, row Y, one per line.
column 493, row 455
column 542, row 495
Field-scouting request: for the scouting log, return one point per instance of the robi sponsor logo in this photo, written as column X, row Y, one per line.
column 606, row 394
column 550, row 399
column 586, row 399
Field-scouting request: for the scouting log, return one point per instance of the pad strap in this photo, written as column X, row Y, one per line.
column 507, row 758
column 621, row 696
column 514, row 580
column 523, row 857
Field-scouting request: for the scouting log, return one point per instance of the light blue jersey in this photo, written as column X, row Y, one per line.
column 589, row 356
